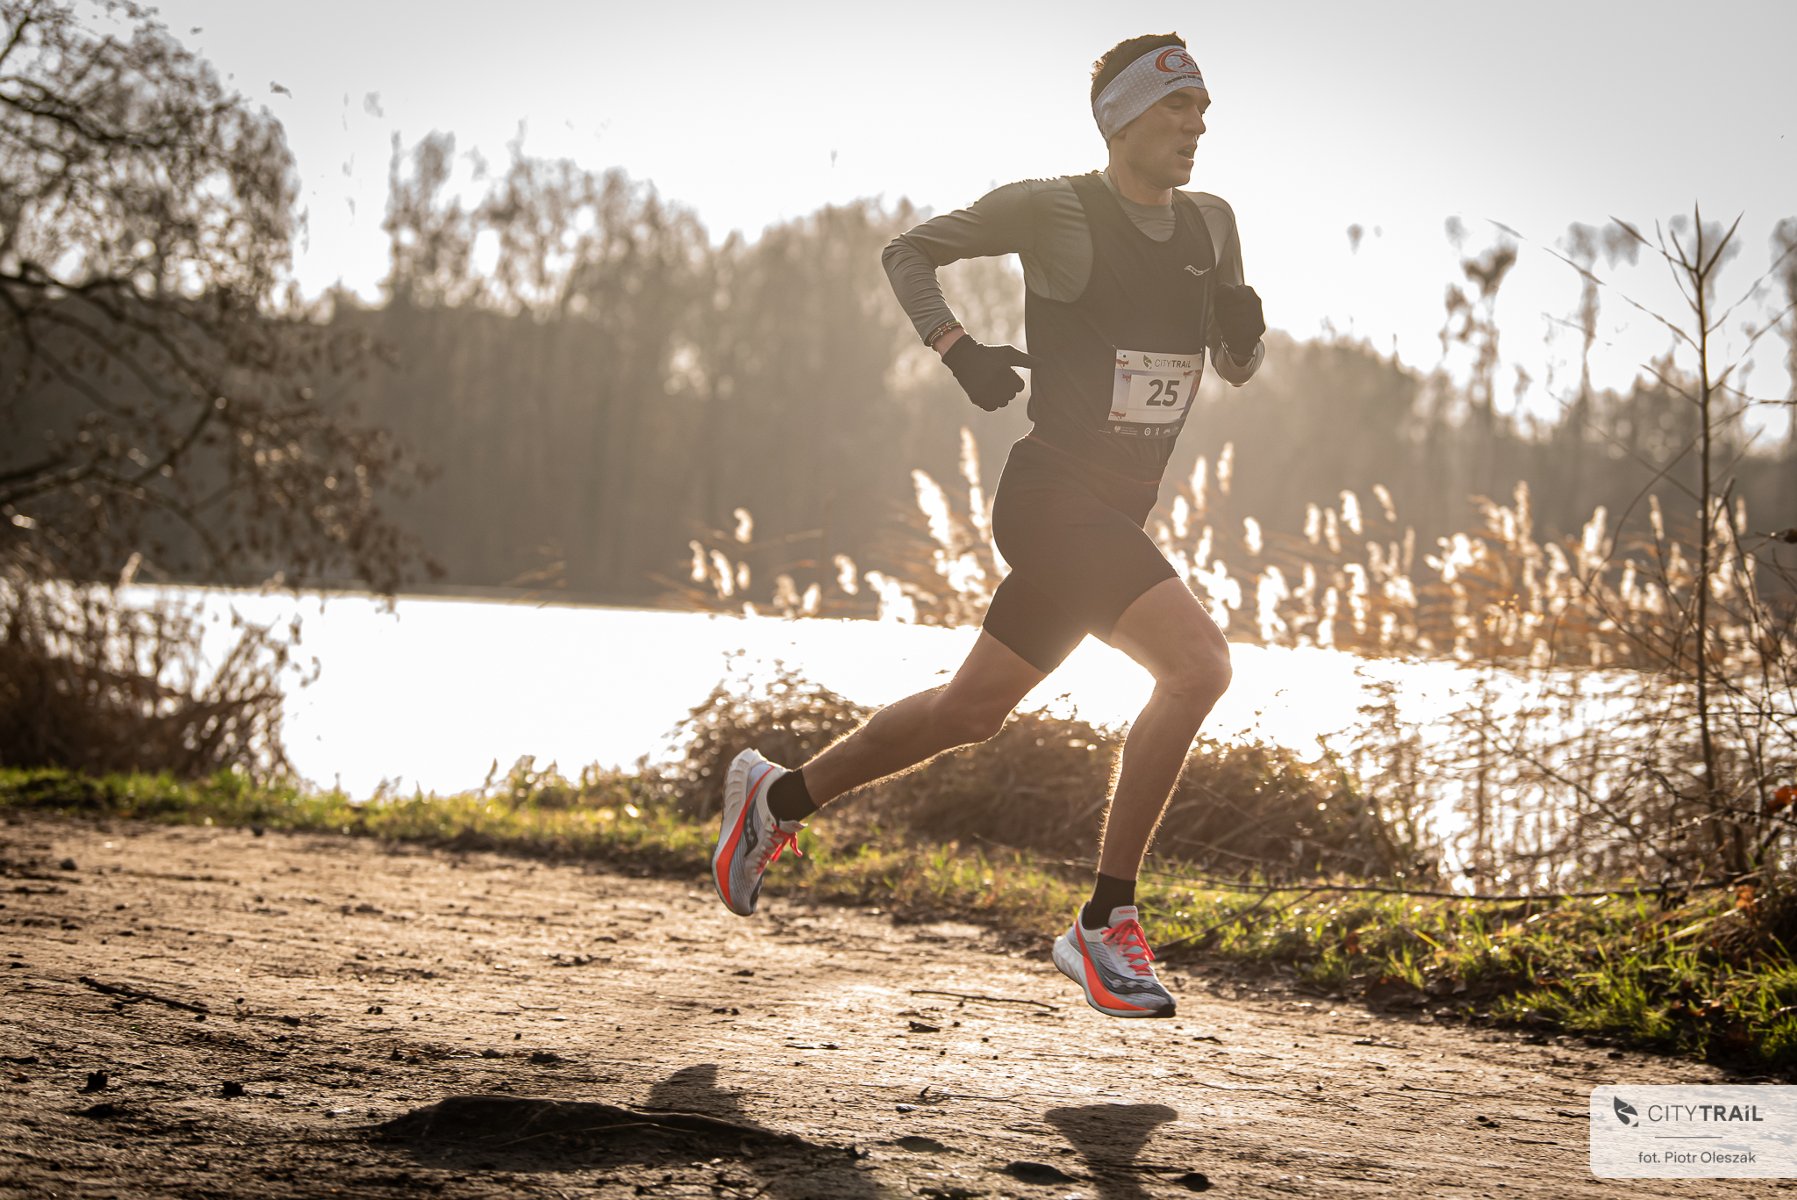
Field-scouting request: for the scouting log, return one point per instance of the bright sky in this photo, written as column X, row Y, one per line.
column 1393, row 115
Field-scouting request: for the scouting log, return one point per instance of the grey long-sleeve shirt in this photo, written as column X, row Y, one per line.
column 1041, row 221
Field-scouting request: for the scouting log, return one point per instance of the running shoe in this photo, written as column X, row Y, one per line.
column 1113, row 966
column 750, row 838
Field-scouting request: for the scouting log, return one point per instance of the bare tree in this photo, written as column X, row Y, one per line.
column 1723, row 647
column 1784, row 252
column 161, row 390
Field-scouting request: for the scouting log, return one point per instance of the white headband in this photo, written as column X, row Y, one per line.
column 1140, row 84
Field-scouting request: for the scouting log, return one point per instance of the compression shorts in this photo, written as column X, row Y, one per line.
column 1073, row 535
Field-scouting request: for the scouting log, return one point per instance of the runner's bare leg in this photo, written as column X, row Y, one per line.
column 969, row 708
column 1169, row 633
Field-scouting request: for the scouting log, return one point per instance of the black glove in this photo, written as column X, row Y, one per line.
column 984, row 372
column 1239, row 318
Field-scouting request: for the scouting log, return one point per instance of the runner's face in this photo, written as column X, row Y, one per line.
column 1160, row 145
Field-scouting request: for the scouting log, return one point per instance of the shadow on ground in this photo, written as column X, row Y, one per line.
column 1110, row 1137
column 691, row 1130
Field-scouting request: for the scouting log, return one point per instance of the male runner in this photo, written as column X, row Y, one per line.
column 1128, row 283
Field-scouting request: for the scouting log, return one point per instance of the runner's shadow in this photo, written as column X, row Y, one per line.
column 1108, row 1137
column 689, row 1126
column 695, row 1089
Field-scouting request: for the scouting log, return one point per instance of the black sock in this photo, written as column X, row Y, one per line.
column 788, row 800
column 1107, row 893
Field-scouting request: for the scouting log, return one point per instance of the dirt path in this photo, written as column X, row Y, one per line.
column 345, row 984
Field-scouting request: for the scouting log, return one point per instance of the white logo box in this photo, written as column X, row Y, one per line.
column 1718, row 1131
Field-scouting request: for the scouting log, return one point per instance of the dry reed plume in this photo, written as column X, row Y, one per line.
column 1572, row 750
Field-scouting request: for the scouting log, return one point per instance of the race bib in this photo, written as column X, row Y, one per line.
column 1152, row 391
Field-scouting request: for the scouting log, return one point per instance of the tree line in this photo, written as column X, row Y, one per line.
column 566, row 382
column 613, row 385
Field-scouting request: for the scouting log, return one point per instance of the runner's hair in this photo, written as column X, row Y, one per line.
column 1110, row 64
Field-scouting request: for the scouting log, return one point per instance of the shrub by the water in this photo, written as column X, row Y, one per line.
column 788, row 719
column 94, row 684
column 1041, row 785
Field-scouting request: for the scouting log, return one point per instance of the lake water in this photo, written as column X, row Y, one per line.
column 429, row 693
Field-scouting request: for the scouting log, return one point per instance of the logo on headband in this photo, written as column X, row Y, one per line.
column 1175, row 61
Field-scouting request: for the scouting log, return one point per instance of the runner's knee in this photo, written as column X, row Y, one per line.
column 1199, row 676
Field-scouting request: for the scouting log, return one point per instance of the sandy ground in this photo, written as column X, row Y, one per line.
column 198, row 1012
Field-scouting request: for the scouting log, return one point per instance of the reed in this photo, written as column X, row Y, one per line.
column 1573, row 752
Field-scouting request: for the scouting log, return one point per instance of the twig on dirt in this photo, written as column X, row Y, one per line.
column 1224, row 1087
column 1363, row 1038
column 1412, row 1087
column 11, row 871
column 988, row 999
column 134, row 994
column 931, row 1094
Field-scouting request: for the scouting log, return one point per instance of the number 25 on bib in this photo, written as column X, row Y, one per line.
column 1152, row 391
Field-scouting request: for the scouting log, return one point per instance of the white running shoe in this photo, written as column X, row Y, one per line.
column 750, row 838
column 1113, row 966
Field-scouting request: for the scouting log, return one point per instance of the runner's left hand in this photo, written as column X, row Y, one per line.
column 1239, row 317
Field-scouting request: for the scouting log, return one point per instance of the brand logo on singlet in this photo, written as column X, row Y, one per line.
column 1175, row 61
column 1196, row 271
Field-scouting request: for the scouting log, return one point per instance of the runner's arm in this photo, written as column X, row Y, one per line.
column 1000, row 222
column 1229, row 270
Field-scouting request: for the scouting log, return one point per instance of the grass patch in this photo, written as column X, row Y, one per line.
column 1705, row 977
column 1700, row 976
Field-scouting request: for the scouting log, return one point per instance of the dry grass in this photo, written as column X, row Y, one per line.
column 93, row 684
column 1575, row 751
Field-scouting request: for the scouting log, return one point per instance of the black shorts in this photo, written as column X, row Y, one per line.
column 1079, row 556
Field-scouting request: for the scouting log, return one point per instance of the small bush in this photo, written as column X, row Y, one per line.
column 1041, row 785
column 789, row 719
column 93, row 684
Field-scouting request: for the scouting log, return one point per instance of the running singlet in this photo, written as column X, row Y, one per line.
column 1117, row 307
column 1120, row 364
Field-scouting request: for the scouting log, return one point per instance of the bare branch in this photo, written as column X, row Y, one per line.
column 18, row 31
column 1721, row 247
column 42, row 467
column 1631, row 231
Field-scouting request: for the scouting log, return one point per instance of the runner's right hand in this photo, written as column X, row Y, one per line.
column 1240, row 318
column 984, row 372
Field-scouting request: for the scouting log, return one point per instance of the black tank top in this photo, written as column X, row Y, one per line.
column 1147, row 297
